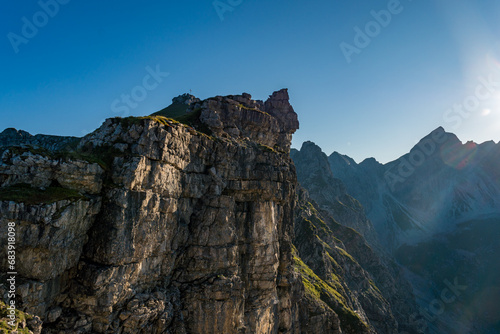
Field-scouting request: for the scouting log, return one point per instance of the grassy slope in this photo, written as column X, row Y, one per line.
column 328, row 290
column 21, row 318
column 24, row 193
column 172, row 111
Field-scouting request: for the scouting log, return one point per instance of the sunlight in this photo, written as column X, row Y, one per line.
column 486, row 112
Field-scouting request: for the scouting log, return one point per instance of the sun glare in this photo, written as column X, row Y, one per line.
column 486, row 112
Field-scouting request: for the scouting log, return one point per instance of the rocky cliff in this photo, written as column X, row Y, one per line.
column 437, row 213
column 341, row 227
column 159, row 225
column 330, row 193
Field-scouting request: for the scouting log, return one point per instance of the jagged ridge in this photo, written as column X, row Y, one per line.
column 177, row 228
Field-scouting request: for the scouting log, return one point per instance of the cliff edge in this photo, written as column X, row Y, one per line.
column 160, row 225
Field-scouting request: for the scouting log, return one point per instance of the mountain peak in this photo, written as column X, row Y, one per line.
column 440, row 129
column 436, row 139
column 336, row 157
column 310, row 146
column 186, row 99
column 238, row 116
column 278, row 105
column 370, row 162
column 441, row 132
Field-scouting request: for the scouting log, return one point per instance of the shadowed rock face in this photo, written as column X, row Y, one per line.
column 336, row 219
column 437, row 210
column 151, row 226
column 314, row 173
column 13, row 137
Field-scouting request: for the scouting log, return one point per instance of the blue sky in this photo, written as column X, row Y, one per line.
column 432, row 55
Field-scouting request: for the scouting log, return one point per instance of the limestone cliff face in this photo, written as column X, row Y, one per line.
column 149, row 225
column 178, row 232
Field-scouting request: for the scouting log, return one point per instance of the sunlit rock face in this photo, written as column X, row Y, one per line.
column 271, row 123
column 179, row 232
column 156, row 225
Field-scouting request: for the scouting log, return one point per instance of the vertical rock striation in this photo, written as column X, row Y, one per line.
column 154, row 225
column 184, row 232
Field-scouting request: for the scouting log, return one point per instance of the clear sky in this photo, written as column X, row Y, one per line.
column 64, row 70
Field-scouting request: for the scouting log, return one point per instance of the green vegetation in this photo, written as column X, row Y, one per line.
column 101, row 155
column 346, row 255
column 266, row 148
column 175, row 113
column 253, row 109
column 315, row 285
column 24, row 193
column 172, row 111
column 318, row 289
column 314, row 223
column 21, row 318
column 375, row 292
column 329, row 289
column 133, row 120
column 37, row 151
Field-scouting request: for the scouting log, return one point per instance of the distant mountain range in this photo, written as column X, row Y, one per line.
column 438, row 184
column 436, row 210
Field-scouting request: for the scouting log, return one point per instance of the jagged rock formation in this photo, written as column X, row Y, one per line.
column 188, row 234
column 343, row 217
column 314, row 173
column 270, row 124
column 436, row 211
column 438, row 183
column 13, row 137
column 185, row 99
column 154, row 226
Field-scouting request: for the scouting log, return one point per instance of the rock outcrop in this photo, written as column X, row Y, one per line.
column 155, row 226
column 270, row 124
column 13, row 137
column 314, row 173
column 185, row 99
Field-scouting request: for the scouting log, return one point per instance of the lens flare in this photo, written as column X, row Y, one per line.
column 493, row 61
column 457, row 155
